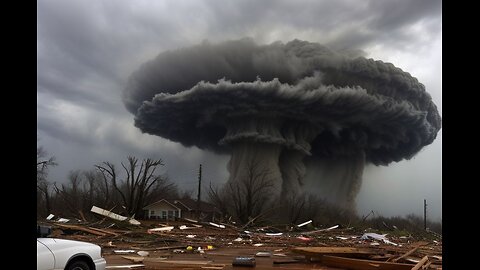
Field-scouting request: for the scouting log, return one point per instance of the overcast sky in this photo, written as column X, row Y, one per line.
column 87, row 49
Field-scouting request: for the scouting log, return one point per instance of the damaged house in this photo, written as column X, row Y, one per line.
column 166, row 209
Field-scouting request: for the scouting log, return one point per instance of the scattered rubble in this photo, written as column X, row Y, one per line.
column 191, row 244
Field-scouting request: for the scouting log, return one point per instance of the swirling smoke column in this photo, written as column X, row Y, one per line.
column 309, row 115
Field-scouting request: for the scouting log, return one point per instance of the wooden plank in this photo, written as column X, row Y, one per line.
column 361, row 264
column 134, row 259
column 79, row 228
column 104, row 231
column 420, row 263
column 183, row 264
column 286, row 261
column 410, row 252
column 128, row 266
column 338, row 251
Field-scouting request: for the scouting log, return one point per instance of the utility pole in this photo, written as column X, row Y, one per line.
column 199, row 191
column 425, row 214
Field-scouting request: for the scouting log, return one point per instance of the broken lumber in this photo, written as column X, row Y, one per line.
column 79, row 228
column 134, row 259
column 104, row 231
column 183, row 264
column 410, row 252
column 420, row 263
column 286, row 261
column 128, row 266
column 361, row 264
column 339, row 251
column 322, row 230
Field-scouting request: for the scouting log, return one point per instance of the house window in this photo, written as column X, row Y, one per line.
column 152, row 213
column 170, row 213
column 176, row 213
column 164, row 214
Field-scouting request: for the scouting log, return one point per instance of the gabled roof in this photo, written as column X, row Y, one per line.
column 191, row 204
column 185, row 204
column 162, row 200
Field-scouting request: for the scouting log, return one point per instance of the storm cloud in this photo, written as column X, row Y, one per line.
column 278, row 103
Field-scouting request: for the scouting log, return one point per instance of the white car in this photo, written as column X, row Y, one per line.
column 61, row 254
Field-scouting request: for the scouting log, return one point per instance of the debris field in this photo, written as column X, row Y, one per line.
column 189, row 244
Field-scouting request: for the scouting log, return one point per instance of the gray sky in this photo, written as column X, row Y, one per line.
column 87, row 49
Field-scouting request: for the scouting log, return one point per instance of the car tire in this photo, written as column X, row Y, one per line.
column 78, row 265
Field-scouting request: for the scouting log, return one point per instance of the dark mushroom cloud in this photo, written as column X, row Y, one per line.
column 311, row 116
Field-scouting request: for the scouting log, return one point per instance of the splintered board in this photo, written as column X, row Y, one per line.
column 359, row 264
column 315, row 252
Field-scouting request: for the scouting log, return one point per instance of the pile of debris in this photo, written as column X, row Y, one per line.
column 189, row 244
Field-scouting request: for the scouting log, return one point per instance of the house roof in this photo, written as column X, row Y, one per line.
column 159, row 201
column 191, row 204
column 185, row 204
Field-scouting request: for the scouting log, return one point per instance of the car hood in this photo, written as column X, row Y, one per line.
column 56, row 244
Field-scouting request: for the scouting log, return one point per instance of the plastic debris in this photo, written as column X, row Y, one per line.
column 305, row 223
column 263, row 254
column 274, row 234
column 124, row 251
column 376, row 236
column 143, row 253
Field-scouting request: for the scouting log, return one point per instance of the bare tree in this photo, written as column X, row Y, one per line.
column 139, row 181
column 218, row 198
column 43, row 185
column 249, row 195
column 71, row 195
column 162, row 189
column 295, row 205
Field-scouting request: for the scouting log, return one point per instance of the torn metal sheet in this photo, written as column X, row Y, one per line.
column 63, row 220
column 112, row 215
